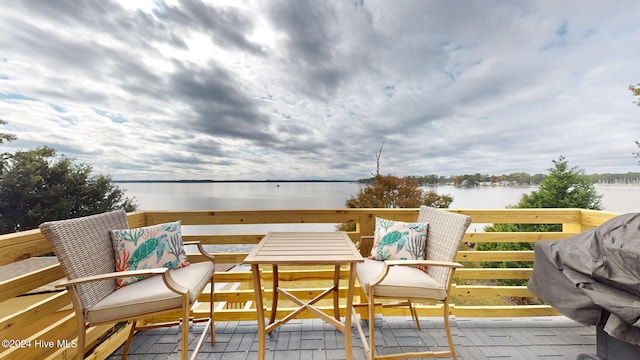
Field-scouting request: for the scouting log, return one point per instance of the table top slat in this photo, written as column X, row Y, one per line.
column 304, row 248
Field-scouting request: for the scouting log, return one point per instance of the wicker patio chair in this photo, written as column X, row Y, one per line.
column 84, row 249
column 403, row 280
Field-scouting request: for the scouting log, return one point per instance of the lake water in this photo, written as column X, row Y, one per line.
column 319, row 195
column 323, row 195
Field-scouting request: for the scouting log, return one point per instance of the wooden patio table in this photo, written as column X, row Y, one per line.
column 304, row 249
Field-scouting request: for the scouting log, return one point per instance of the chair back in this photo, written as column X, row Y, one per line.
column 444, row 236
column 83, row 247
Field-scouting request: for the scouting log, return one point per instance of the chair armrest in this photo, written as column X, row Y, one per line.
column 450, row 264
column 166, row 277
column 389, row 263
column 113, row 275
column 201, row 249
column 365, row 245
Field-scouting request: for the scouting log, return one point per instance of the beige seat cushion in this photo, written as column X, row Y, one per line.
column 151, row 294
column 401, row 281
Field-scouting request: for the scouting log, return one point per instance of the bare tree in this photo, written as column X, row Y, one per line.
column 378, row 154
column 635, row 89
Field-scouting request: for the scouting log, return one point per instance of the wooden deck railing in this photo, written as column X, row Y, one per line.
column 36, row 319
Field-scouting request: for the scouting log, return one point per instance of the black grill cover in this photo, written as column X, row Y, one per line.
column 593, row 271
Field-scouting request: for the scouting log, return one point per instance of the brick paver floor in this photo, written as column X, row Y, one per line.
column 554, row 337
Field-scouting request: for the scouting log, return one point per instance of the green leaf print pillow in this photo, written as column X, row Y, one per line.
column 148, row 247
column 398, row 240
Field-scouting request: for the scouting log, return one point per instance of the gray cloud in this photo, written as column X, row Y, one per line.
column 311, row 89
column 225, row 26
column 220, row 108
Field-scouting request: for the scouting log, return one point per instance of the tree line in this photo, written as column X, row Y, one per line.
column 513, row 179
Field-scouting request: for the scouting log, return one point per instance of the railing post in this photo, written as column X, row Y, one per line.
column 367, row 223
column 575, row 227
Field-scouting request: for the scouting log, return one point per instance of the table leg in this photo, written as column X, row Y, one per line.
column 336, row 292
column 257, row 290
column 347, row 320
column 274, row 298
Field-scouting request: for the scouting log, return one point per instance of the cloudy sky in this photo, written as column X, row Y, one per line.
column 294, row 89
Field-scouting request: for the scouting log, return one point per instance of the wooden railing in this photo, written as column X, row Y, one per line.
column 36, row 319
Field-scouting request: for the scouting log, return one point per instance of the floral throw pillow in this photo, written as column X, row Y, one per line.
column 148, row 247
column 398, row 240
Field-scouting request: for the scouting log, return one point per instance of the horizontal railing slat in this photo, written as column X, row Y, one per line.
column 27, row 282
column 516, row 237
column 23, row 245
column 11, row 323
column 523, row 255
column 493, row 273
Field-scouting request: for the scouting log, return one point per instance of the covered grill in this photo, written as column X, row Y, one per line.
column 594, row 279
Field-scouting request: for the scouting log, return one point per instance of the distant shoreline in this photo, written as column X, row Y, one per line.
column 234, row 181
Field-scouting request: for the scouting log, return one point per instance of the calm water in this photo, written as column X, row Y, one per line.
column 239, row 196
column 244, row 196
